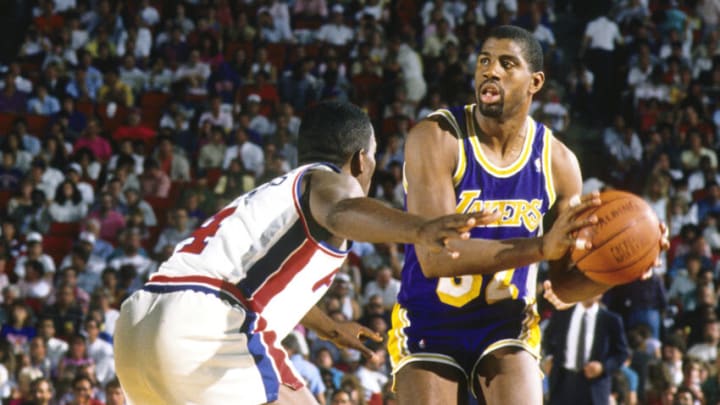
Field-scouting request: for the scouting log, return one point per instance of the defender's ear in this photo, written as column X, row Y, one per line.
column 357, row 163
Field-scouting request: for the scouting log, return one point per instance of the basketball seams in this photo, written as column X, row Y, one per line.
column 627, row 224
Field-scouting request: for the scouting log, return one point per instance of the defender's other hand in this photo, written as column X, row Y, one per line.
column 436, row 233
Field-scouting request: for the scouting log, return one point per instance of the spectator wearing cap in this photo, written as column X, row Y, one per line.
column 171, row 160
column 258, row 122
column 91, row 139
column 34, row 251
column 217, row 115
column 335, row 32
column 68, row 205
column 100, row 247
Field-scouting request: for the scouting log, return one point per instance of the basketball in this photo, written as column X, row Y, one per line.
column 625, row 240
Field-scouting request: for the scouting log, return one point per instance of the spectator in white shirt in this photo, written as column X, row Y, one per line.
column 100, row 351
column 131, row 75
column 258, row 122
column 335, row 32
column 217, row 115
column 411, row 67
column 251, row 154
column 385, row 286
column 269, row 30
column 68, row 205
column 34, row 285
column 21, row 84
column 34, row 251
column 196, row 72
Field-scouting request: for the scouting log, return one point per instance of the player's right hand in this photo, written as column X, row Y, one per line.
column 557, row 241
column 436, row 233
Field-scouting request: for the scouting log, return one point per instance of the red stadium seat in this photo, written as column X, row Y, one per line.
column 6, row 122
column 86, row 107
column 69, row 229
column 5, row 196
column 154, row 100
column 37, row 124
column 57, row 247
column 213, row 175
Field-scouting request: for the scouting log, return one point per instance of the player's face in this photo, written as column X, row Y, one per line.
column 503, row 80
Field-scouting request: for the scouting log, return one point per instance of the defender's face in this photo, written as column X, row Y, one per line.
column 369, row 163
column 502, row 77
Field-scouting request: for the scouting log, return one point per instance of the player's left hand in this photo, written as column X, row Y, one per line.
column 549, row 295
column 351, row 335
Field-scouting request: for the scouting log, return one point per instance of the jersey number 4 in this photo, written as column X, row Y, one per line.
column 207, row 230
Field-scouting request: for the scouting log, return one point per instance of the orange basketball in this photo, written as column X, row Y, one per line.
column 625, row 240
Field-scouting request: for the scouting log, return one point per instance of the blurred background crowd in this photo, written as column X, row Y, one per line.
column 125, row 124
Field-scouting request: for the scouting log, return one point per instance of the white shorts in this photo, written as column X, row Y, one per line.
column 184, row 341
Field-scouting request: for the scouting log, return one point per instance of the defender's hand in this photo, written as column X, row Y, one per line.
column 436, row 233
column 557, row 241
column 351, row 335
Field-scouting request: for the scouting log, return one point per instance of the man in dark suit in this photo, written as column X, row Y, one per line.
column 587, row 345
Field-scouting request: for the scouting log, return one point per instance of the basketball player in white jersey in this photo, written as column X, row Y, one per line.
column 206, row 328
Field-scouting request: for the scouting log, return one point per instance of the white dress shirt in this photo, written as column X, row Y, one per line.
column 574, row 331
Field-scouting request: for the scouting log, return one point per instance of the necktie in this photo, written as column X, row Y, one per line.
column 580, row 353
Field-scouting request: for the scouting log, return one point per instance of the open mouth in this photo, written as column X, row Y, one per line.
column 489, row 93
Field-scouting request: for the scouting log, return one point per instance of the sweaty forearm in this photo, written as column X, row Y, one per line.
column 481, row 256
column 369, row 220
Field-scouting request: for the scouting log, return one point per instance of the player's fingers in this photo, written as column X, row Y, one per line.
column 484, row 217
column 367, row 353
column 369, row 333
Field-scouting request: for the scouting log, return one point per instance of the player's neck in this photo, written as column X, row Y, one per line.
column 503, row 133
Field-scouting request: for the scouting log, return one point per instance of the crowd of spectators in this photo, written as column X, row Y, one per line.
column 125, row 124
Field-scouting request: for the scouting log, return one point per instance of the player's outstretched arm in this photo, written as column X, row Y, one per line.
column 343, row 334
column 339, row 205
column 431, row 193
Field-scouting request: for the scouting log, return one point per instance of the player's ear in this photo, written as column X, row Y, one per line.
column 538, row 79
column 357, row 163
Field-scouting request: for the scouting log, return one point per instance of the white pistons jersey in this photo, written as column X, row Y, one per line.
column 261, row 248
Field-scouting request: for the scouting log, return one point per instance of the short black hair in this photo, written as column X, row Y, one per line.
column 532, row 51
column 333, row 131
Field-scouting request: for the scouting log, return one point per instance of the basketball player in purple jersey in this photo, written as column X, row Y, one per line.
column 472, row 323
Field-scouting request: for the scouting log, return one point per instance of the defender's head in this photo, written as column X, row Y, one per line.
column 341, row 134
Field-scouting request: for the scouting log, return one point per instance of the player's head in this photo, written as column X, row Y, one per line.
column 508, row 72
column 341, row 134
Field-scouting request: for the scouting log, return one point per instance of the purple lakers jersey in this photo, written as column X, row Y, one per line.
column 523, row 192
